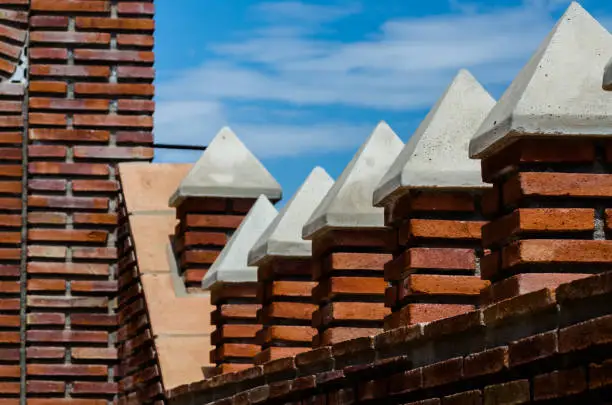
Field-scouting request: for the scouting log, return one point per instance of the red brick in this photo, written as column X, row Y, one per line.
column 10, row 106
column 48, row 21
column 40, row 285
column 114, row 89
column 537, row 151
column 47, row 353
column 142, row 8
column 73, row 38
column 49, row 218
column 68, row 268
column 430, row 284
column 525, row 283
column 444, row 372
column 67, row 202
column 135, row 72
column 54, row 54
column 136, row 106
column 533, row 348
column 523, row 305
column 56, row 120
column 71, row 105
column 74, row 6
column 93, row 286
column 213, row 221
column 135, row 40
column 66, row 370
column 67, row 235
column 94, row 353
column 94, row 388
column 113, row 55
column 69, row 135
column 417, row 313
column 583, row 335
column 510, row 393
column 46, row 319
column 558, row 384
column 540, row 184
column 464, row 398
column 47, row 184
column 487, row 362
column 406, row 381
column 538, row 220
column 95, row 219
column 113, row 153
column 46, row 387
column 39, row 301
column 440, row 229
column 132, row 137
column 600, row 375
column 47, row 86
column 46, row 151
column 115, row 24
column 553, row 251
column 95, row 186
column 11, row 121
column 85, row 169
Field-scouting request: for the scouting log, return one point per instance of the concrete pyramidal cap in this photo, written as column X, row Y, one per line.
column 227, row 169
column 348, row 204
column 558, row 92
column 231, row 265
column 607, row 79
column 436, row 156
column 284, row 235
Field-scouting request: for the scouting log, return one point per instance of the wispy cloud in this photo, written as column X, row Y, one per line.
column 401, row 66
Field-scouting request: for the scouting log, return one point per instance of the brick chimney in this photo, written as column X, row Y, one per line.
column 212, row 201
column 233, row 289
column 285, row 274
column 545, row 148
column 351, row 244
column 431, row 197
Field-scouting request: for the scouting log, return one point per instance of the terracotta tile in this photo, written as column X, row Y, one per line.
column 182, row 358
column 175, row 315
column 151, row 239
column 148, row 186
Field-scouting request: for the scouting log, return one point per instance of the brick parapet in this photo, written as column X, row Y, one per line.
column 236, row 326
column 547, row 212
column 285, row 295
column 542, row 346
column 348, row 269
column 435, row 271
column 205, row 225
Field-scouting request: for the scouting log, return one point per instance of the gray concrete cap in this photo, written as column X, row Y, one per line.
column 558, row 92
column 227, row 169
column 607, row 79
column 348, row 204
column 284, row 235
column 231, row 265
column 436, row 156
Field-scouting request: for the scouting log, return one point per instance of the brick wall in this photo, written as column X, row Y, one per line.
column 543, row 347
column 88, row 103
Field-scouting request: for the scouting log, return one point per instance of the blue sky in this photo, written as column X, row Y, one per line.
column 303, row 83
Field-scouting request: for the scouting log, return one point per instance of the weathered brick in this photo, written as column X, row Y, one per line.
column 533, row 348
column 582, row 335
column 135, row 40
column 115, row 24
column 510, row 393
column 94, row 353
column 114, row 89
column 113, row 153
column 46, row 151
column 82, row 169
column 46, row 319
column 140, row 8
column 95, row 55
column 66, row 370
column 95, row 203
column 444, row 372
column 74, row 6
column 68, row 268
column 47, row 86
column 67, row 235
column 95, row 219
column 69, row 135
column 558, row 384
column 556, row 251
column 48, row 21
column 73, row 38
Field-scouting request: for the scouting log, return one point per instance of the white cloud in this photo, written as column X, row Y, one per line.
column 404, row 65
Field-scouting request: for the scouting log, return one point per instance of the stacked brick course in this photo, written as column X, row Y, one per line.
column 233, row 289
column 351, row 245
column 89, row 103
column 549, row 221
column 542, row 348
column 284, row 263
column 431, row 197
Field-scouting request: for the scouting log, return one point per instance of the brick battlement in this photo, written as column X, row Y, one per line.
column 543, row 346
